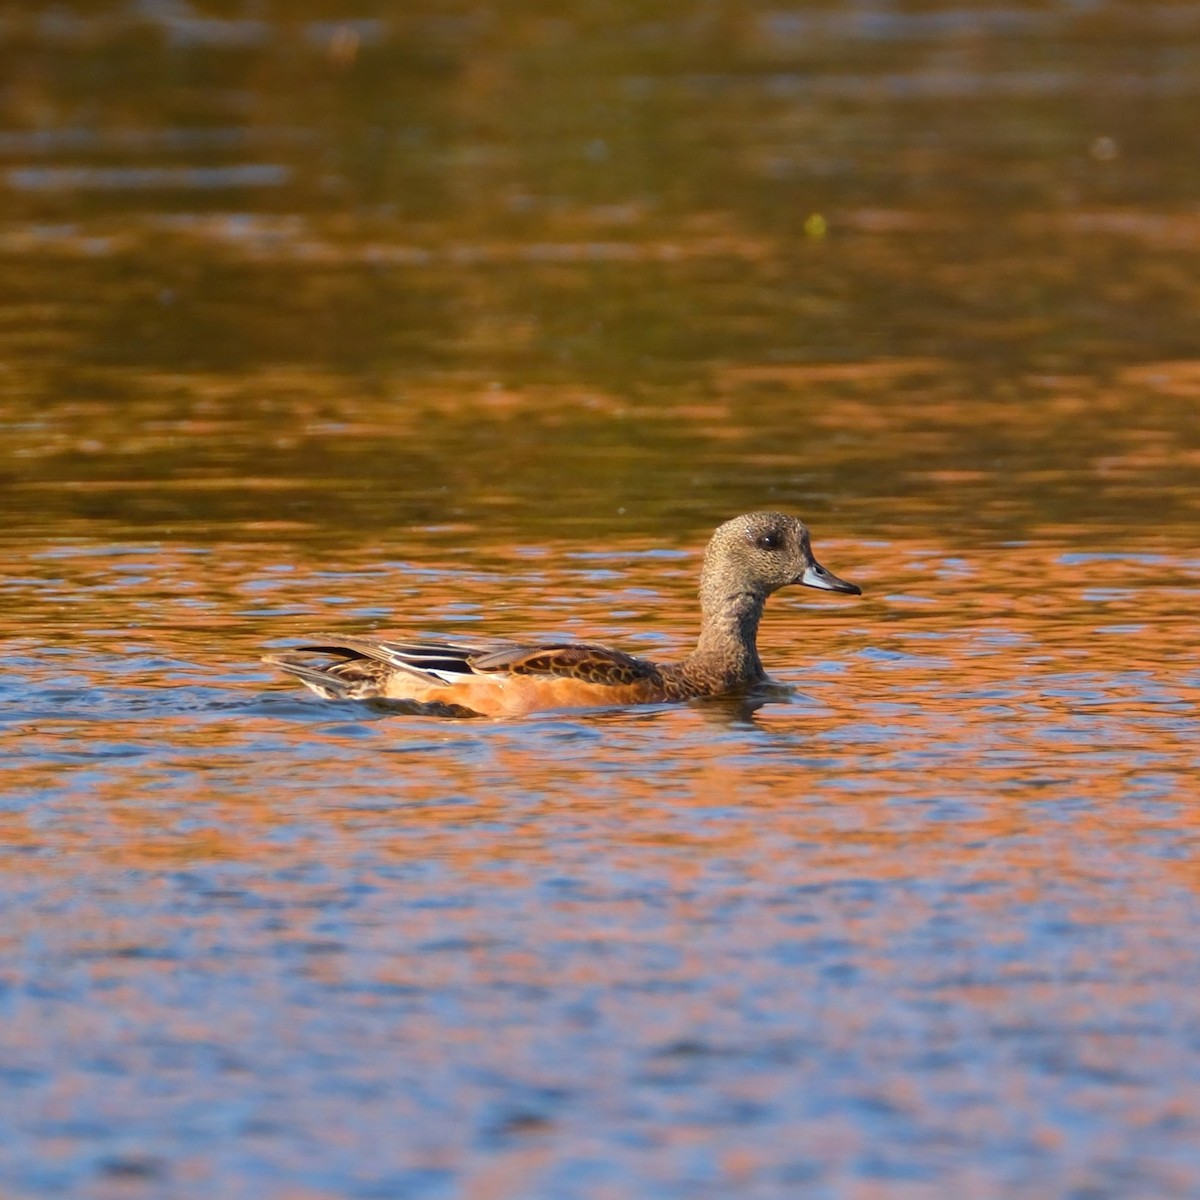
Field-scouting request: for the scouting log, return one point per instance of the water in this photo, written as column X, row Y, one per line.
column 479, row 321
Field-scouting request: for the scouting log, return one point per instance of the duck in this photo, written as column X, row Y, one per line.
column 747, row 559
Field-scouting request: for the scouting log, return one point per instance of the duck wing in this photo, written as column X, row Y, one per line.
column 361, row 666
column 353, row 668
column 566, row 660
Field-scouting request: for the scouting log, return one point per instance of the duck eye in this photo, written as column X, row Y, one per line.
column 767, row 541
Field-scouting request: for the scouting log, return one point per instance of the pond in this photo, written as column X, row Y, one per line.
column 477, row 320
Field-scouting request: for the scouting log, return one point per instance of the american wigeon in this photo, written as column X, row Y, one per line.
column 747, row 559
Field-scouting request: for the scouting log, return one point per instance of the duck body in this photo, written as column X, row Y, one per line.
column 747, row 559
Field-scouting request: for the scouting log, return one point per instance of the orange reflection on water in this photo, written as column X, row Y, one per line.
column 975, row 661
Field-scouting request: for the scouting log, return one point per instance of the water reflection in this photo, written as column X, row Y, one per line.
column 446, row 320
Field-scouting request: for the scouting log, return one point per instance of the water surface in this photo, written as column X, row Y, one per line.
column 479, row 320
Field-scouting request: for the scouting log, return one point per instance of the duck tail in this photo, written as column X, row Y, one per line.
column 321, row 680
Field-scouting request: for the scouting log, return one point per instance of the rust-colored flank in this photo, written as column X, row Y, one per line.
column 747, row 559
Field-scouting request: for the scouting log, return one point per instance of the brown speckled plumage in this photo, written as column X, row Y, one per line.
column 747, row 559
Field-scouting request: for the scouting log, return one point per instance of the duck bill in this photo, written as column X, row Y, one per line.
column 816, row 576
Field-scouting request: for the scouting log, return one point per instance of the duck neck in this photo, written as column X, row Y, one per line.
column 728, row 636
